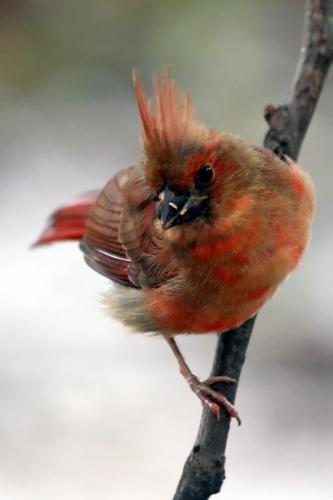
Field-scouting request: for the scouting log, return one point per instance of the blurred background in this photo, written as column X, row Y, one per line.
column 87, row 411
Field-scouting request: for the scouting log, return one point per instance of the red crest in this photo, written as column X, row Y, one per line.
column 168, row 121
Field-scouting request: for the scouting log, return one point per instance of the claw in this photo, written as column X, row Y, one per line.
column 231, row 410
column 207, row 395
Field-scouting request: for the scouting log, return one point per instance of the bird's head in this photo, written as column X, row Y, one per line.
column 200, row 176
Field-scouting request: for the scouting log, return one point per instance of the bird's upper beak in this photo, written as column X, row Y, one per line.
column 175, row 208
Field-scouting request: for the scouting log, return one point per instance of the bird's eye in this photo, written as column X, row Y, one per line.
column 205, row 176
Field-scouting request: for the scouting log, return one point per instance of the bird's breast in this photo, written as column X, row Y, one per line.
column 209, row 299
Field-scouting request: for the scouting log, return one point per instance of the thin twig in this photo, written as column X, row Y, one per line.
column 204, row 472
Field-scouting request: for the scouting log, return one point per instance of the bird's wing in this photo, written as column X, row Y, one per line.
column 119, row 236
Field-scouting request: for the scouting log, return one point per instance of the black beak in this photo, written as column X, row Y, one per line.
column 175, row 208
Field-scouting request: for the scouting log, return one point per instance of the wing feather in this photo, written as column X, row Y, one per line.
column 119, row 236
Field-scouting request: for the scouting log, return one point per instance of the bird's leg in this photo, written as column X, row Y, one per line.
column 203, row 390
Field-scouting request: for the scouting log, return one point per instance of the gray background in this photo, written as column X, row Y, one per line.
column 89, row 412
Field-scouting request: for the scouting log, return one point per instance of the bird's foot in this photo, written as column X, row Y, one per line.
column 208, row 396
column 211, row 398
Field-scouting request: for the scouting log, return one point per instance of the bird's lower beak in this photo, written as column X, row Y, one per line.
column 175, row 208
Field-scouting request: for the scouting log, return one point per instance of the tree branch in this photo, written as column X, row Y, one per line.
column 288, row 124
column 204, row 472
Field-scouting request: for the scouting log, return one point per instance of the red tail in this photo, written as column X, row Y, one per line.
column 67, row 223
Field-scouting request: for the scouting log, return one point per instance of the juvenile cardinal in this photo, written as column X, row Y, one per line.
column 198, row 235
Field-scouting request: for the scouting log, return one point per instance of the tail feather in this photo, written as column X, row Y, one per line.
column 68, row 222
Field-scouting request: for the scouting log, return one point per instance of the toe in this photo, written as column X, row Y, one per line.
column 220, row 398
column 220, row 378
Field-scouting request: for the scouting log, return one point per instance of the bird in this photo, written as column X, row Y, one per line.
column 196, row 236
